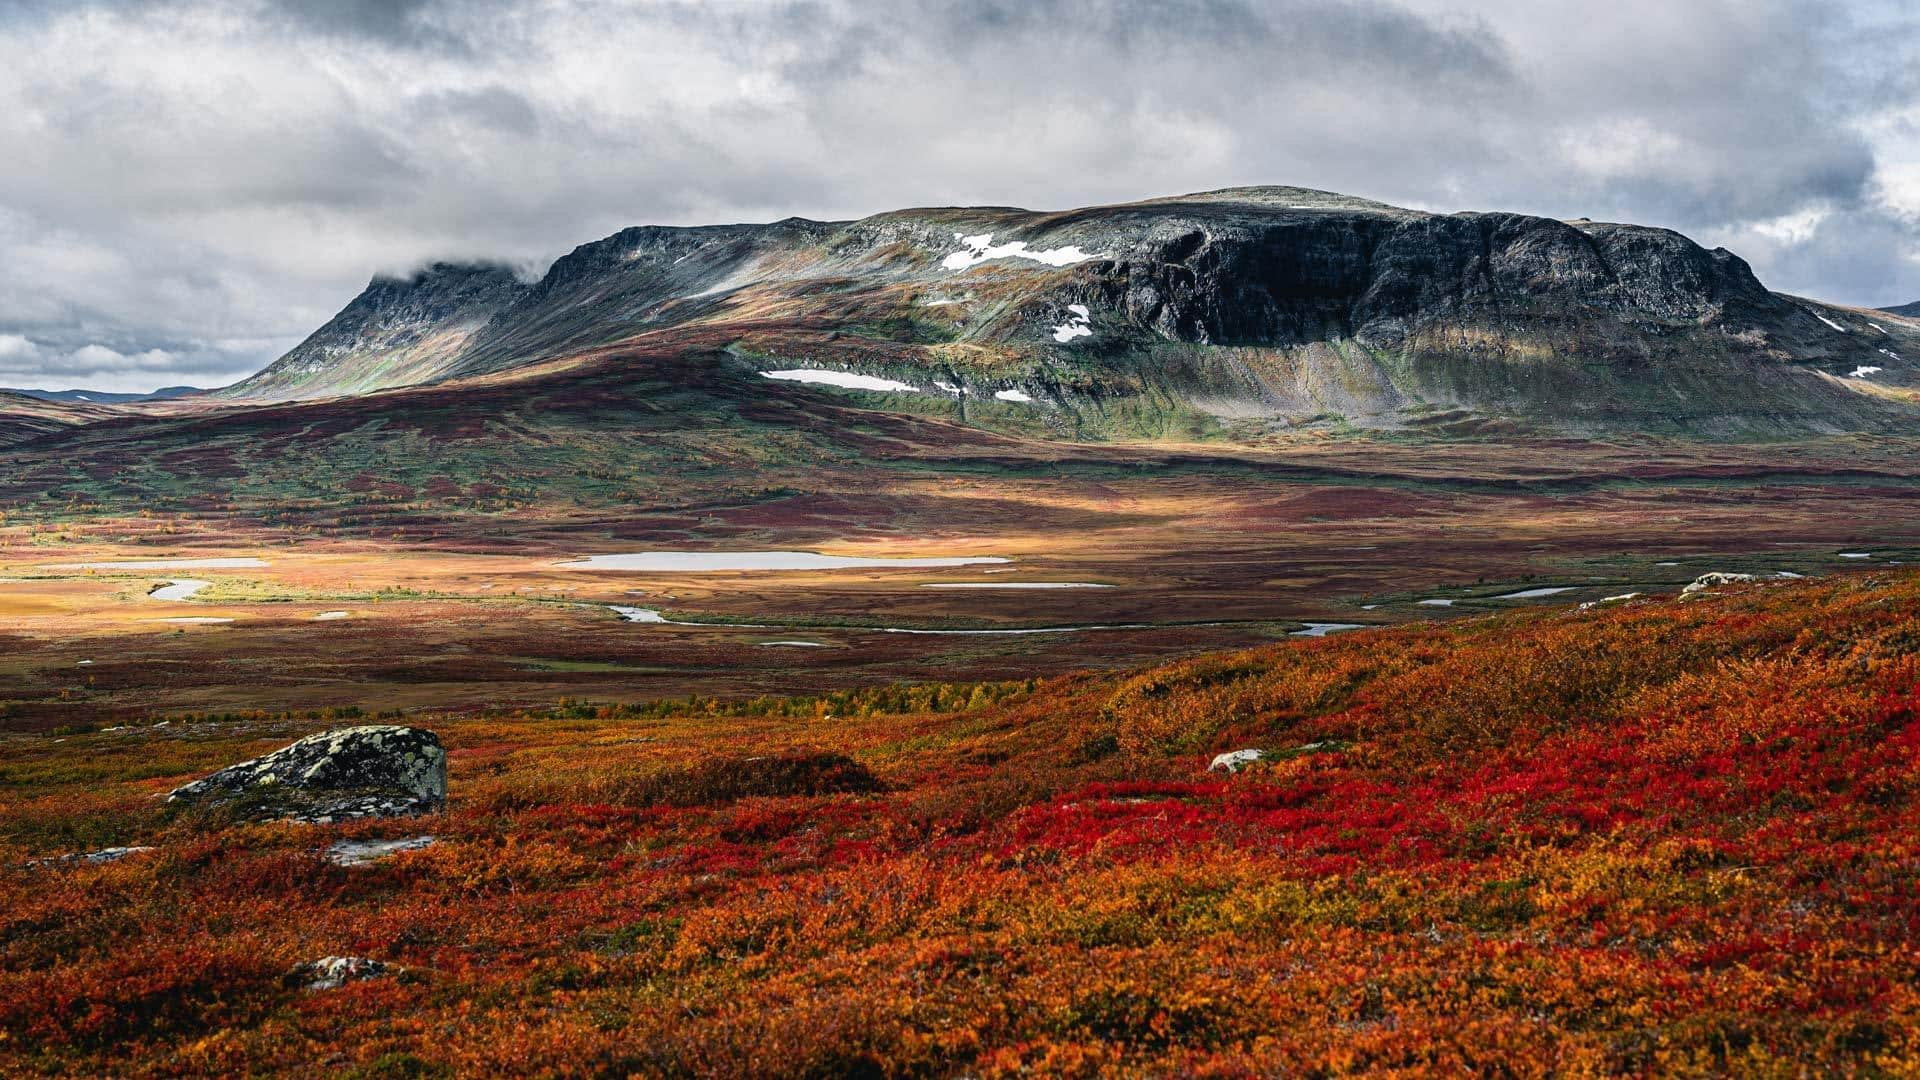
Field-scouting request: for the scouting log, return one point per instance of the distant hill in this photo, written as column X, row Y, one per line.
column 102, row 397
column 1911, row 311
column 24, row 417
column 1234, row 311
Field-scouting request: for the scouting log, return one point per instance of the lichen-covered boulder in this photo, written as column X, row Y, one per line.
column 1717, row 578
column 376, row 771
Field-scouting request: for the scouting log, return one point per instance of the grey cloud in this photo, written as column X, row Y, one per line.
column 36, row 364
column 1867, row 255
column 188, row 172
column 412, row 24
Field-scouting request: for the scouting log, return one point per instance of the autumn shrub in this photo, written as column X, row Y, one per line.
column 1681, row 838
column 711, row 781
column 185, row 990
column 1744, row 702
column 1188, row 706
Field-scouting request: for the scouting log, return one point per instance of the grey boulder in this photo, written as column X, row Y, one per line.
column 1717, row 578
column 358, row 772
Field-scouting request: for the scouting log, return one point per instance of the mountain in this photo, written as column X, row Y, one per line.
column 1909, row 311
column 1222, row 313
column 397, row 332
column 102, row 397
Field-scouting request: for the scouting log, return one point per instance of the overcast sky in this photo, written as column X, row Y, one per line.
column 189, row 188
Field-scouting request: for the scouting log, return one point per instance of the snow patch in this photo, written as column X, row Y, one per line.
column 1436, row 603
column 981, row 249
column 845, row 379
column 1863, row 371
column 329, row 616
column 1012, row 395
column 1076, row 327
column 1829, row 322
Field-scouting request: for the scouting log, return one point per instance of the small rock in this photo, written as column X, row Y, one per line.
column 1708, row 581
column 333, row 972
column 359, row 772
column 1233, row 759
column 1621, row 599
column 362, row 852
column 104, row 855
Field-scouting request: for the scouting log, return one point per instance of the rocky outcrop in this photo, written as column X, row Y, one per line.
column 1717, row 578
column 375, row 771
column 1233, row 760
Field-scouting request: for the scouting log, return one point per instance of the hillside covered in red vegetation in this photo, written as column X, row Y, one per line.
column 1668, row 836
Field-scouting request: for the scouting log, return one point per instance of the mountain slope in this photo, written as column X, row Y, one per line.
column 1229, row 312
column 398, row 332
column 1910, row 311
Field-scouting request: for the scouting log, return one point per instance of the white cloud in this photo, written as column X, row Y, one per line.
column 17, row 349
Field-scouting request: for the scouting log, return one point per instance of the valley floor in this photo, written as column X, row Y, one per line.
column 1661, row 835
column 434, row 604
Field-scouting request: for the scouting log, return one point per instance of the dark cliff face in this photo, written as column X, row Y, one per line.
column 1371, row 277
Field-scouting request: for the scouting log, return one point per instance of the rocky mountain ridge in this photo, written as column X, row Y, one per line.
column 397, row 332
column 1250, row 305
